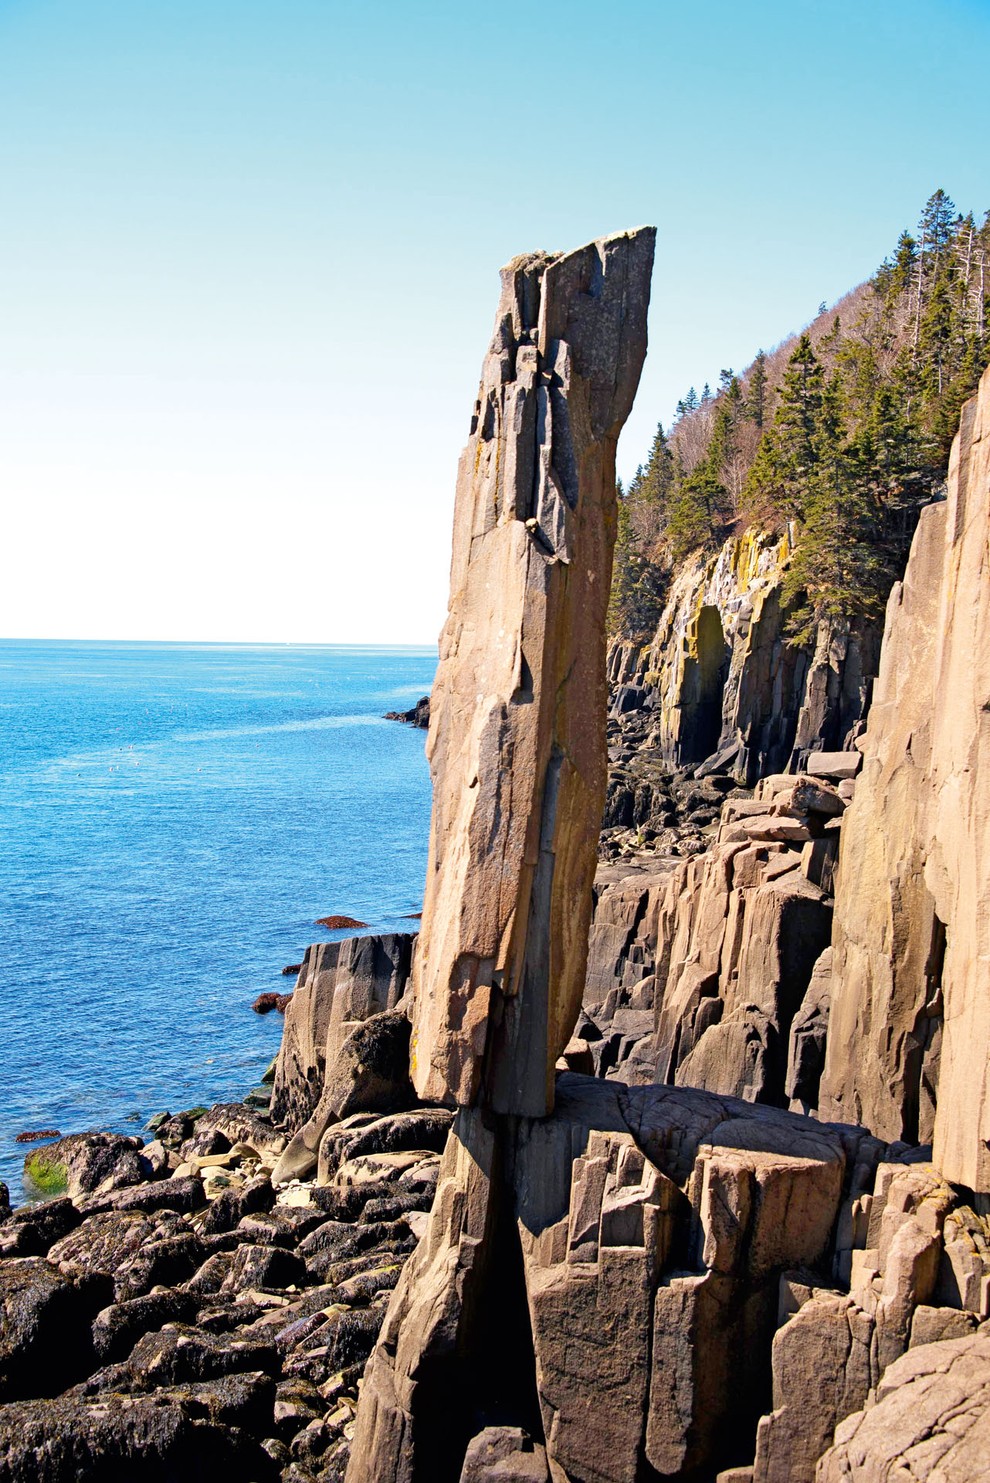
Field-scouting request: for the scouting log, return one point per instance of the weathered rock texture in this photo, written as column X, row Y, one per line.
column 724, row 685
column 340, row 984
column 634, row 1241
column 700, row 971
column 909, row 1032
column 931, row 1420
column 516, row 741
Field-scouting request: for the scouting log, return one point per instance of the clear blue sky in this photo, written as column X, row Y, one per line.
column 248, row 263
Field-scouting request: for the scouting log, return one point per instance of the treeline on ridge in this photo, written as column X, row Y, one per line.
column 841, row 433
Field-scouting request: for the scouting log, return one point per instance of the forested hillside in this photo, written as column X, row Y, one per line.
column 842, row 431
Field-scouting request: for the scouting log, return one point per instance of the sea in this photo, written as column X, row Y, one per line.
column 173, row 820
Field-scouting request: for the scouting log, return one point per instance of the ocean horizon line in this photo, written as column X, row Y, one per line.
column 380, row 646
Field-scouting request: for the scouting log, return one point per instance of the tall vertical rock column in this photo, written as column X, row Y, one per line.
column 517, row 730
column 517, row 754
column 909, row 1031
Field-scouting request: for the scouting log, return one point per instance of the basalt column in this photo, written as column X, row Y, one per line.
column 517, row 752
column 517, row 730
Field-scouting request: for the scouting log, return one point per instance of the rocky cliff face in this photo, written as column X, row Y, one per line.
column 725, row 689
column 909, row 1038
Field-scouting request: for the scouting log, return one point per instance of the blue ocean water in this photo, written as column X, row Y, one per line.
column 173, row 819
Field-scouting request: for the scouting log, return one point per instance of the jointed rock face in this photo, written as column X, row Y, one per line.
column 909, row 1037
column 516, row 741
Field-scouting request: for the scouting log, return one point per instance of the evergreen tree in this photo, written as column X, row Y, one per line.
column 838, row 571
column 756, row 400
column 779, row 476
column 638, row 584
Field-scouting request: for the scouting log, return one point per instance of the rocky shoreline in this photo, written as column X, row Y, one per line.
column 175, row 1312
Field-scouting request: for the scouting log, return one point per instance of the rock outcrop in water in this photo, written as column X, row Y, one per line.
column 516, row 741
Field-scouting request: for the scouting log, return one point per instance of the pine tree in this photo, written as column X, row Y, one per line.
column 756, row 400
column 837, row 573
column 778, row 478
column 638, row 584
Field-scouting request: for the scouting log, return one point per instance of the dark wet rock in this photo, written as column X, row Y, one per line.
column 240, row 1124
column 346, row 1338
column 172, row 1130
column 161, row 1160
column 276, row 1450
column 182, row 1195
column 45, row 1341
column 204, row 1144
column 265, row 1003
column 179, row 1354
column 425, row 1128
column 117, row 1329
column 291, row 970
column 168, row 1261
column 393, row 1207
column 323, row 1264
column 343, row 1239
column 266, row 1267
column 36, row 1137
column 284, row 1225
column 90, row 1161
column 244, row 1400
column 208, row 1279
column 364, row 1286
column 417, row 715
column 297, row 1402
column 338, row 923
column 232, row 1205
column 158, row 1439
column 4, row 1201
column 136, row 1250
column 32, row 1230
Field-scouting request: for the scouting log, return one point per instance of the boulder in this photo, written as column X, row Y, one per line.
column 85, row 1162
column 340, row 984
column 103, row 1440
column 930, row 1420
column 45, row 1341
column 32, row 1230
column 117, row 1328
column 369, row 1073
column 504, row 1454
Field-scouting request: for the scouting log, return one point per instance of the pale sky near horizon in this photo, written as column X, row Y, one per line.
column 249, row 254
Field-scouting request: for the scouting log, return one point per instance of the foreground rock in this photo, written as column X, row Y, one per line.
column 199, row 1323
column 634, row 1241
column 931, row 1420
column 516, row 740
